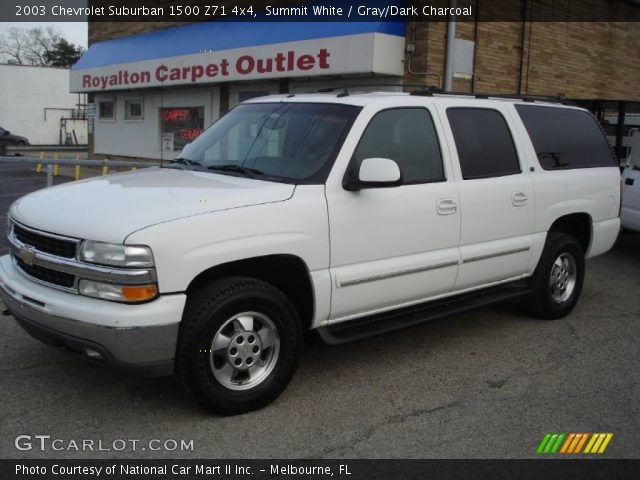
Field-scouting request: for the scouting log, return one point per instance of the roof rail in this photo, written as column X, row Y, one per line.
column 431, row 91
column 345, row 89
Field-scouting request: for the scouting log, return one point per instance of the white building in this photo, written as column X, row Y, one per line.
column 35, row 103
column 155, row 92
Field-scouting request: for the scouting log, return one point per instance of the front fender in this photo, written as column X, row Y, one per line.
column 186, row 247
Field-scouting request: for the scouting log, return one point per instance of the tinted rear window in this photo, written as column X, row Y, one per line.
column 566, row 138
column 484, row 143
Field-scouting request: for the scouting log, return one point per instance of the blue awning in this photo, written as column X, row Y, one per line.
column 216, row 36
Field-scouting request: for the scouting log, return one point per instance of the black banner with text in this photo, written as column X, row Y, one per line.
column 319, row 10
column 315, row 469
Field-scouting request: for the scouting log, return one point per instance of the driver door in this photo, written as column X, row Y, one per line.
column 395, row 246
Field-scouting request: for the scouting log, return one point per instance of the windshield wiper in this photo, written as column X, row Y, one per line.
column 229, row 167
column 186, row 162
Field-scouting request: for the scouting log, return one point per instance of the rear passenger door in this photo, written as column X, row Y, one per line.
column 497, row 202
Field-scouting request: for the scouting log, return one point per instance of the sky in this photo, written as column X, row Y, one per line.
column 74, row 32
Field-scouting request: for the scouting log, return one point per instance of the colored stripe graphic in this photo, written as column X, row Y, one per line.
column 567, row 442
column 576, row 439
column 550, row 443
column 579, row 446
column 607, row 439
column 591, row 442
column 598, row 443
column 572, row 443
column 555, row 447
column 543, row 443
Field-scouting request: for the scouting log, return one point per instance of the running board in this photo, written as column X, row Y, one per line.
column 379, row 324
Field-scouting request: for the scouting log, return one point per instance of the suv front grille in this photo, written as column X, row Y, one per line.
column 44, row 243
column 47, row 275
column 51, row 259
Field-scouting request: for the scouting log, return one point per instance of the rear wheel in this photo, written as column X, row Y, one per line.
column 558, row 278
column 239, row 345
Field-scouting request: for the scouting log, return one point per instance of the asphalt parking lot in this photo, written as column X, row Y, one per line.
column 485, row 384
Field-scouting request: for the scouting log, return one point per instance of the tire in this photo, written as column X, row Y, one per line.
column 563, row 259
column 239, row 345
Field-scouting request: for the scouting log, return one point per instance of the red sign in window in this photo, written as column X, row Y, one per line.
column 183, row 123
column 190, row 133
column 175, row 114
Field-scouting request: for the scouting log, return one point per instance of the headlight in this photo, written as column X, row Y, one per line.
column 118, row 293
column 116, row 255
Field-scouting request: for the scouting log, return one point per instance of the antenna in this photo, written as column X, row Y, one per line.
column 345, row 93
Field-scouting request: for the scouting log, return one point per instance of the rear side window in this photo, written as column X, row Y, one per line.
column 566, row 138
column 408, row 136
column 484, row 143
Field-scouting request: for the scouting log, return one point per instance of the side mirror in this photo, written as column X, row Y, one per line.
column 375, row 173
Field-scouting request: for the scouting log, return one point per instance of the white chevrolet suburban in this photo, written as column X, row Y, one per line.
column 349, row 215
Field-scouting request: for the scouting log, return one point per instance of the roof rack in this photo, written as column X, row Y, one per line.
column 431, row 91
column 345, row 89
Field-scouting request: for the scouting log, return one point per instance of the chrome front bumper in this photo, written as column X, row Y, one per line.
column 147, row 348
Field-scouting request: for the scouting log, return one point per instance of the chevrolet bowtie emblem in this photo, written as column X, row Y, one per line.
column 27, row 255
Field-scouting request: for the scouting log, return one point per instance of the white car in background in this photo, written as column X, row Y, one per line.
column 630, row 213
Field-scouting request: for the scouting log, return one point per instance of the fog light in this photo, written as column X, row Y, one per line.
column 118, row 293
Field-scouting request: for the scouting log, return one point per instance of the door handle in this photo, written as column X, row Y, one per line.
column 519, row 199
column 447, row 206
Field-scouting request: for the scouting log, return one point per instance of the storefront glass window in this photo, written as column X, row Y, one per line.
column 180, row 125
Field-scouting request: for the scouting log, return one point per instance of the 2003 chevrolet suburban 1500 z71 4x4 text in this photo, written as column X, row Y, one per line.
column 350, row 215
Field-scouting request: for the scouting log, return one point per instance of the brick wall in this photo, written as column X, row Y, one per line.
column 583, row 60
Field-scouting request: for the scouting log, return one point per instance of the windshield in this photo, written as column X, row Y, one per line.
column 291, row 142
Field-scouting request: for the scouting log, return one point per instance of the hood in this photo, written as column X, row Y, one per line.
column 110, row 208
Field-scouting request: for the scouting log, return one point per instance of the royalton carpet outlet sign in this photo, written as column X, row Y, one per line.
column 246, row 65
column 105, row 68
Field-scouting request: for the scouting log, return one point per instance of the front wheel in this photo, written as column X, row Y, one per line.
column 558, row 278
column 239, row 345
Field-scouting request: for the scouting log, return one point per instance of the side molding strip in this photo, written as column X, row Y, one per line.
column 400, row 273
column 409, row 271
column 493, row 255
